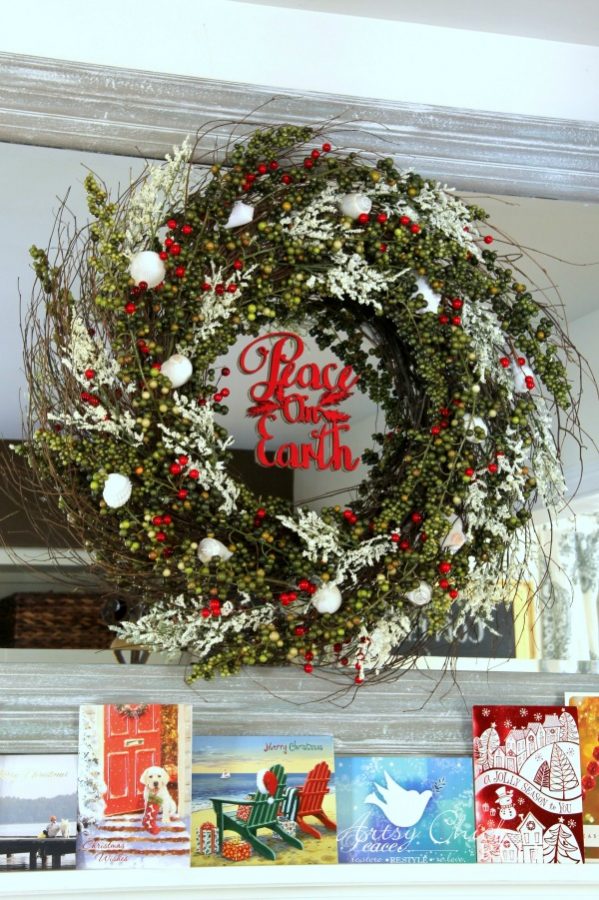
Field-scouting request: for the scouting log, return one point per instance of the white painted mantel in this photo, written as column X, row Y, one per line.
column 366, row 882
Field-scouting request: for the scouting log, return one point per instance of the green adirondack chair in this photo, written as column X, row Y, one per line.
column 263, row 814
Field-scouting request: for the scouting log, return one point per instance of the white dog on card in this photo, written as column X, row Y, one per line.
column 155, row 780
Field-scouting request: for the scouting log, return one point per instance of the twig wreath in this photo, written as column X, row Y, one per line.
column 387, row 269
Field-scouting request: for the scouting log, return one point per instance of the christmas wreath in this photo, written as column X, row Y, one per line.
column 393, row 273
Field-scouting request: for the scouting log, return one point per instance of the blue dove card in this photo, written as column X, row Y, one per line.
column 413, row 809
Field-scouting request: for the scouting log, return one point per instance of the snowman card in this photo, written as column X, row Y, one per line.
column 405, row 810
column 588, row 727
column 263, row 800
column 527, row 784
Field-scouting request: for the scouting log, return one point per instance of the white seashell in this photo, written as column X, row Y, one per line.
column 209, row 548
column 178, row 369
column 432, row 299
column 421, row 595
column 521, row 373
column 353, row 205
column 147, row 266
column 455, row 537
column 241, row 214
column 117, row 490
column 472, row 422
column 327, row 599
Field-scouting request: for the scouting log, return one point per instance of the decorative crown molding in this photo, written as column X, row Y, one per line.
column 56, row 103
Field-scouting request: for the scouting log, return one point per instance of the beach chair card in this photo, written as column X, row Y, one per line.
column 134, row 786
column 405, row 809
column 527, row 784
column 587, row 706
column 38, row 811
column 263, row 801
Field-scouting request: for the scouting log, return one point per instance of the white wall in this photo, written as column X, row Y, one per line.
column 290, row 48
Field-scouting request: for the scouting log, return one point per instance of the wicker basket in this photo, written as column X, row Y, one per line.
column 53, row 621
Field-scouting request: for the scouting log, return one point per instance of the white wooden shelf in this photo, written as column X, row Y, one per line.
column 406, row 882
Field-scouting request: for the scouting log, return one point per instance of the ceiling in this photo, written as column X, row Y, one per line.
column 574, row 21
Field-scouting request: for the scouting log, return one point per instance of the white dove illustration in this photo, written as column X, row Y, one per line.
column 402, row 808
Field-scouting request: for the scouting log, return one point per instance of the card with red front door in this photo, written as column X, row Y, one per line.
column 134, row 786
column 527, row 784
column 588, row 726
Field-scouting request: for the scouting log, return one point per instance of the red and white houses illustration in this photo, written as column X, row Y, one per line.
column 134, row 785
column 527, row 784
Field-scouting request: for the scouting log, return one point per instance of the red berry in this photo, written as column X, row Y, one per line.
column 521, row 360
column 308, row 656
column 237, row 264
column 194, row 473
column 292, row 596
column 444, row 568
column 219, row 289
column 488, row 239
column 273, row 165
column 186, row 229
column 171, row 223
column 382, row 218
column 416, row 517
column 225, row 371
column 303, row 584
column 415, row 229
column 337, row 648
column 395, row 537
column 261, row 513
column 504, row 361
column 456, row 320
column 443, row 584
column 363, row 218
column 358, row 679
column 444, row 411
column 344, row 660
column 157, row 520
column 444, row 319
column 469, row 472
column 588, row 782
column 308, row 668
column 492, row 468
column 405, row 220
column 529, row 382
column 454, row 594
column 326, row 147
column 167, row 519
column 383, row 248
column 456, row 303
column 130, row 308
column 160, row 536
column 308, row 163
column 436, row 429
column 168, row 243
column 156, row 366
column 174, row 469
column 183, row 460
column 182, row 494
column 262, row 169
column 299, row 630
column 163, row 254
column 250, row 177
column 315, row 154
column 231, row 288
column 404, row 545
column 225, row 392
column 143, row 286
column 180, row 271
column 286, row 179
column 205, row 613
column 206, row 286
column 89, row 374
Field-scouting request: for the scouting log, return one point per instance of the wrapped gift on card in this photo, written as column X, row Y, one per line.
column 528, row 796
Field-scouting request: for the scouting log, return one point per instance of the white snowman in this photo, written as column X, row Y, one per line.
column 505, row 804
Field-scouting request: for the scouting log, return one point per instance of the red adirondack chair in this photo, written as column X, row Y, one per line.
column 311, row 796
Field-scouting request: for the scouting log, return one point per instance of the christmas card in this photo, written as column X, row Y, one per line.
column 405, row 809
column 527, row 787
column 38, row 811
column 587, row 706
column 134, row 786
column 267, row 800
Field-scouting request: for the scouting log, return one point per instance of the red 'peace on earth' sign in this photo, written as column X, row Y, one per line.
column 285, row 394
